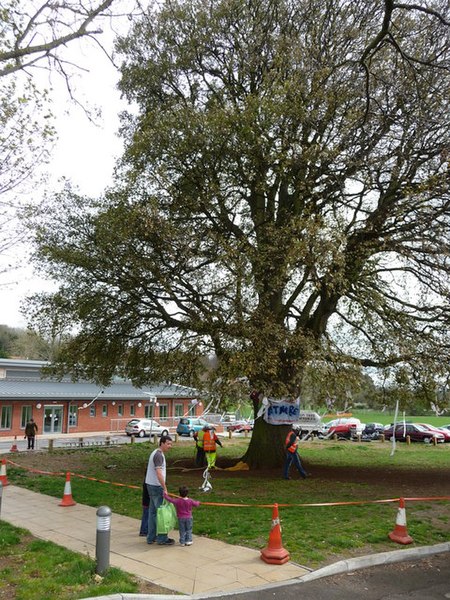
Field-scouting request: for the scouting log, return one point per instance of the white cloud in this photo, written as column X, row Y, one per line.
column 85, row 154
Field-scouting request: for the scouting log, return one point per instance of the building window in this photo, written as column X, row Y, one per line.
column 73, row 415
column 104, row 410
column 25, row 416
column 131, row 410
column 179, row 412
column 120, row 410
column 92, row 411
column 5, row 422
column 163, row 411
column 149, row 411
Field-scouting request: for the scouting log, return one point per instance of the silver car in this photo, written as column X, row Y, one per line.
column 143, row 427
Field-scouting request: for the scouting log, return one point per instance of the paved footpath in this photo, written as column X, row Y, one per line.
column 209, row 566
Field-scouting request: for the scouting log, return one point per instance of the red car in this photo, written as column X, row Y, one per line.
column 240, row 427
column 445, row 432
column 343, row 427
column 416, row 433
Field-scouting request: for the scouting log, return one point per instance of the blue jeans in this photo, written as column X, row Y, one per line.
column 293, row 457
column 185, row 527
column 155, row 493
column 144, row 521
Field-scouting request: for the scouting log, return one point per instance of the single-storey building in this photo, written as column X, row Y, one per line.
column 79, row 407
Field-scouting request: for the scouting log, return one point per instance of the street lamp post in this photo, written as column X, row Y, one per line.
column 152, row 401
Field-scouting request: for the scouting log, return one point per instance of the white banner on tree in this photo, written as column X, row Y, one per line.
column 284, row 411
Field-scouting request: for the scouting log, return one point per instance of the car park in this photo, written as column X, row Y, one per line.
column 416, row 433
column 145, row 427
column 189, row 425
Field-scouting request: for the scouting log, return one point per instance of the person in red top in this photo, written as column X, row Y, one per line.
column 292, row 454
column 184, row 507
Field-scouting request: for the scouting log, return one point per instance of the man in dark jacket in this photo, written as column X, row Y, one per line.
column 31, row 430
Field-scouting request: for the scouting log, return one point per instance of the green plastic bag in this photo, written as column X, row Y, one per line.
column 166, row 518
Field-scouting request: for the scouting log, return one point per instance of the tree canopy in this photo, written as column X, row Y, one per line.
column 283, row 197
column 34, row 32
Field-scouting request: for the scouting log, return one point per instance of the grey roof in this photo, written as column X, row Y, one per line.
column 22, row 362
column 65, row 390
column 24, row 382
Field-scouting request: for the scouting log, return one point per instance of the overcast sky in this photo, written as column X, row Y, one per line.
column 84, row 154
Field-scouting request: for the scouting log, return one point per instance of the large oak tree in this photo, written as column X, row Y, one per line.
column 283, row 200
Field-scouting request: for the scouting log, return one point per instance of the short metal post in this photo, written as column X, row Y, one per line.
column 103, row 539
column 1, row 494
column 50, row 445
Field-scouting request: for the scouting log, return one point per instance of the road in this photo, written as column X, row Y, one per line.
column 424, row 579
column 69, row 441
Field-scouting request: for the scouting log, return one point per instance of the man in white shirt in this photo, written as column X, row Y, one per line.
column 155, row 480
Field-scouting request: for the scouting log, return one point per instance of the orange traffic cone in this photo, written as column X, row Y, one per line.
column 14, row 446
column 67, row 498
column 400, row 533
column 3, row 477
column 274, row 553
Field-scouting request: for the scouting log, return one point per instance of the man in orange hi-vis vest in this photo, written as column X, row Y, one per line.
column 210, row 440
column 292, row 456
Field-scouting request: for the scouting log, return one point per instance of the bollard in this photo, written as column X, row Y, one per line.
column 382, row 438
column 132, row 440
column 108, row 440
column 1, row 494
column 408, row 440
column 434, row 441
column 50, row 445
column 81, row 442
column 102, row 542
column 230, row 434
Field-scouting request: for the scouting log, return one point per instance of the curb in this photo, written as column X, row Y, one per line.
column 343, row 566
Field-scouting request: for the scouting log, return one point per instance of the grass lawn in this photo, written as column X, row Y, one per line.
column 33, row 569
column 314, row 536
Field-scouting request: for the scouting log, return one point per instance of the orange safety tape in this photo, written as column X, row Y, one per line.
column 309, row 504
column 135, row 487
column 33, row 470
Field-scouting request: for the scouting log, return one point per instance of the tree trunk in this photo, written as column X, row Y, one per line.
column 267, row 446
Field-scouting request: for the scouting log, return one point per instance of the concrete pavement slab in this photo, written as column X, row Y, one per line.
column 209, row 566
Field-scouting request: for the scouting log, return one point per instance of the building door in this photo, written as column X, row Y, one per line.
column 53, row 417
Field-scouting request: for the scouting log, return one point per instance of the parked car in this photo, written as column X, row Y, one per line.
column 344, row 428
column 373, row 430
column 240, row 426
column 417, row 433
column 445, row 432
column 143, row 427
column 189, row 425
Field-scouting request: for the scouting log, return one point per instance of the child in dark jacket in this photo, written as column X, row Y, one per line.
column 184, row 507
